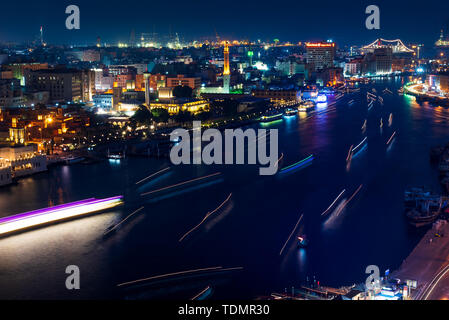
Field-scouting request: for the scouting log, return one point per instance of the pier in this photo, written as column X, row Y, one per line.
column 428, row 264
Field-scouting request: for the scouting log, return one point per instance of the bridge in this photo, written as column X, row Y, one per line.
column 397, row 45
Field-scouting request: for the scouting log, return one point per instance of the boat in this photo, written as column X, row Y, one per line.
column 364, row 125
column 74, row 159
column 116, row 155
column 302, row 242
column 306, row 106
column 289, row 112
column 42, row 217
column 203, row 295
column 381, row 123
column 425, row 214
column 413, row 195
column 271, row 117
column 299, row 164
column 360, row 146
column 390, row 120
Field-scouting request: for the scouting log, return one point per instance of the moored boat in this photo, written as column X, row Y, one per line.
column 413, row 195
column 289, row 112
column 418, row 218
column 422, row 207
column 73, row 160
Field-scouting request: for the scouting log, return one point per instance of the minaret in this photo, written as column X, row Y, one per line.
column 146, row 77
column 226, row 70
column 42, row 36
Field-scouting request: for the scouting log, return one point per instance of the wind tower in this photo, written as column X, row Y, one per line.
column 226, row 70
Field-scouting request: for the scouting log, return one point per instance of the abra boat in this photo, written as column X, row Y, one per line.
column 425, row 214
column 271, row 117
column 422, row 206
column 73, row 160
column 413, row 195
column 302, row 242
column 116, row 155
column 306, row 106
column 289, row 112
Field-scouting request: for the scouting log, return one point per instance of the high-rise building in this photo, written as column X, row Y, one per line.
column 379, row 62
column 320, row 54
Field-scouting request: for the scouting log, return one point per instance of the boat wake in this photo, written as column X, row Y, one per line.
column 333, row 220
column 299, row 165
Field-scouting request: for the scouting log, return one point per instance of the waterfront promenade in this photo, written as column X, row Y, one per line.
column 428, row 264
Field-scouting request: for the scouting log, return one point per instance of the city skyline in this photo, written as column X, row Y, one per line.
column 345, row 22
column 218, row 151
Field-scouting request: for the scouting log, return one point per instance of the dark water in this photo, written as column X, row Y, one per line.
column 250, row 230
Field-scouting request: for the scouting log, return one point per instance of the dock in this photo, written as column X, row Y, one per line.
column 427, row 263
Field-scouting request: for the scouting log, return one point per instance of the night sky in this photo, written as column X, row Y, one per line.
column 288, row 20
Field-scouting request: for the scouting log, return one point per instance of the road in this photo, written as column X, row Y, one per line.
column 428, row 264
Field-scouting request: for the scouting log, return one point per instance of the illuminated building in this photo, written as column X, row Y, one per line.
column 438, row 83
column 17, row 135
column 19, row 70
column 442, row 41
column 173, row 106
column 226, row 70
column 104, row 101
column 182, row 80
column 396, row 46
column 148, row 40
column 120, row 69
column 291, row 67
column 320, row 54
column 87, row 55
column 353, row 67
column 279, row 96
column 165, row 93
column 24, row 160
column 102, row 81
column 329, row 76
column 62, row 84
column 10, row 93
column 379, row 62
column 117, row 96
column 122, row 79
column 6, row 74
column 5, row 173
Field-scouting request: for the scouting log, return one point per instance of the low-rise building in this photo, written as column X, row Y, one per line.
column 279, row 96
column 23, row 160
column 5, row 173
column 182, row 80
column 104, row 101
column 173, row 106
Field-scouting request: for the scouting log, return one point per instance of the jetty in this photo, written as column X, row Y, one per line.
column 427, row 262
